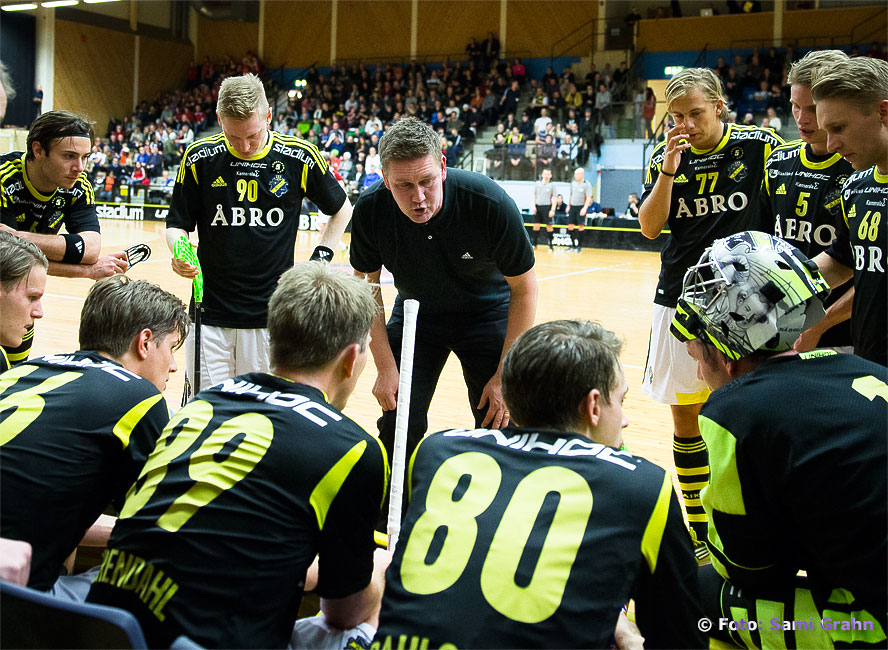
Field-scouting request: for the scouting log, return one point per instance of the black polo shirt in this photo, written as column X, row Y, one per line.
column 455, row 262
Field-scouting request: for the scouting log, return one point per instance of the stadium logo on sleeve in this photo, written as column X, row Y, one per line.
column 278, row 167
column 278, row 185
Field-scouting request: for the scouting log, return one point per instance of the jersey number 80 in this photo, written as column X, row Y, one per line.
column 539, row 599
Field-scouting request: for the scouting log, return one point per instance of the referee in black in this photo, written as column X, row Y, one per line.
column 454, row 241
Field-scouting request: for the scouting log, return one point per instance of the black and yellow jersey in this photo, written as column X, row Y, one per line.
column 715, row 193
column 247, row 484
column 246, row 212
column 23, row 207
column 74, row 432
column 802, row 204
column 524, row 538
column 5, row 363
column 862, row 244
column 797, row 452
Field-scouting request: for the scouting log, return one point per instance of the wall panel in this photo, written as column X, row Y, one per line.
column 93, row 71
column 162, row 66
column 677, row 34
column 297, row 33
column 445, row 27
column 220, row 38
column 368, row 30
column 535, row 25
column 816, row 27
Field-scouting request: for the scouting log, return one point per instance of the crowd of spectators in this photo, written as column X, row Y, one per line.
column 142, row 150
column 566, row 119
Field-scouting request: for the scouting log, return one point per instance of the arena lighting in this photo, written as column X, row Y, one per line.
column 672, row 70
column 300, row 83
column 58, row 3
column 95, row 2
column 22, row 7
column 291, row 94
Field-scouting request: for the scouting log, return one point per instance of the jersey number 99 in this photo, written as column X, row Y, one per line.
column 223, row 459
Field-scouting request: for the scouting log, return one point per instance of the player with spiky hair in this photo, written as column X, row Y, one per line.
column 802, row 196
column 852, row 107
column 703, row 182
column 798, row 455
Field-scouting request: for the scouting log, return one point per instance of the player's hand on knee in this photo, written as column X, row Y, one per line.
column 15, row 561
column 183, row 268
column 385, row 389
column 109, row 265
column 497, row 414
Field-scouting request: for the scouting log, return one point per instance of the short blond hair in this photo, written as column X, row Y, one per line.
column 315, row 312
column 242, row 97
column 689, row 79
column 805, row 70
column 862, row 81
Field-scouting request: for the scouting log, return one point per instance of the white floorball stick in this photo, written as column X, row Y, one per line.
column 399, row 453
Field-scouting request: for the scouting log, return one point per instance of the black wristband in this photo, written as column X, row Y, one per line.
column 74, row 248
column 665, row 173
column 321, row 254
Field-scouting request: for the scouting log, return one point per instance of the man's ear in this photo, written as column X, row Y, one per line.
column 590, row 407
column 349, row 357
column 141, row 342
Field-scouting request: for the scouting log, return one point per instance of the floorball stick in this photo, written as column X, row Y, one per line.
column 185, row 251
column 399, row 454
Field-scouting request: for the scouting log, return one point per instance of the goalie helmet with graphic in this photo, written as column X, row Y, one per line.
column 750, row 291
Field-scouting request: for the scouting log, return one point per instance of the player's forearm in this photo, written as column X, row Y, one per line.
column 61, row 270
column 837, row 312
column 55, row 246
column 351, row 611
column 833, row 271
column 172, row 236
column 654, row 212
column 336, row 226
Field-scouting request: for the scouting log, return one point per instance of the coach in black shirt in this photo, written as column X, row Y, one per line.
column 454, row 241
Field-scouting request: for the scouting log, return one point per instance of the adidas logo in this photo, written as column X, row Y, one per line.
column 219, row 183
column 853, row 213
column 781, row 190
column 466, row 256
column 681, row 179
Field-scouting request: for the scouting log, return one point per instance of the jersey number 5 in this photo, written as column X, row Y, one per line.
column 223, row 459
column 530, row 603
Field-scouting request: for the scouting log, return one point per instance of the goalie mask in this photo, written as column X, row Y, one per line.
column 750, row 291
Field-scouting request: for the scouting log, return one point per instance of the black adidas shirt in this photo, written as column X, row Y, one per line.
column 247, row 484
column 501, row 546
column 455, row 262
column 715, row 193
column 798, row 482
column 75, row 430
column 802, row 204
column 23, row 207
column 862, row 245
column 247, row 217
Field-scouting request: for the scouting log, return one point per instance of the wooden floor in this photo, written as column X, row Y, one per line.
column 613, row 287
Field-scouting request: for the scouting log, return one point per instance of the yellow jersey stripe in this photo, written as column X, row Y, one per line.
column 125, row 425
